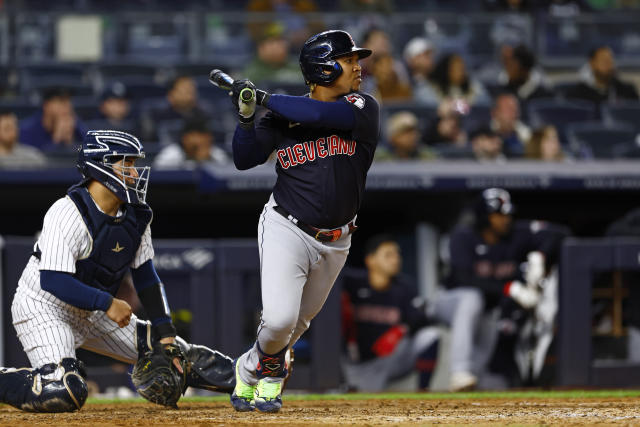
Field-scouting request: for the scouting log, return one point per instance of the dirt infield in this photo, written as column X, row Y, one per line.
column 529, row 411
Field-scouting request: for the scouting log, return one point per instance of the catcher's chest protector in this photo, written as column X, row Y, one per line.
column 115, row 241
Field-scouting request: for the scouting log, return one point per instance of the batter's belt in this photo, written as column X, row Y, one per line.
column 317, row 233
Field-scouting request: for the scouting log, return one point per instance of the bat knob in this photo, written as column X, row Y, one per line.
column 247, row 94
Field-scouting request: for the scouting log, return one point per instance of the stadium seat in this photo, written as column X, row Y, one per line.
column 626, row 112
column 22, row 109
column 479, row 115
column 140, row 87
column 599, row 140
column 560, row 113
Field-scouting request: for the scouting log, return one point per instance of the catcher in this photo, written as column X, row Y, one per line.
column 65, row 297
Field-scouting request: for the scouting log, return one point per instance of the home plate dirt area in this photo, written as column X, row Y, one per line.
column 397, row 411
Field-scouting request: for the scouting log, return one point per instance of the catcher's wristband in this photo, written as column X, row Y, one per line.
column 164, row 330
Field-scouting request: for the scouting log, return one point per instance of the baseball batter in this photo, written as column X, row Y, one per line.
column 324, row 144
column 65, row 297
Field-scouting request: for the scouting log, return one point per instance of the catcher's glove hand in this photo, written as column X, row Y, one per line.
column 156, row 377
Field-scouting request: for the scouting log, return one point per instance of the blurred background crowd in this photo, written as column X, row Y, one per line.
column 492, row 80
column 488, row 81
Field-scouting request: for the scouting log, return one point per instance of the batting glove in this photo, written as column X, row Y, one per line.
column 526, row 296
column 535, row 269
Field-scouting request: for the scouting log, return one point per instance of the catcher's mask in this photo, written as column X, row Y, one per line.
column 108, row 156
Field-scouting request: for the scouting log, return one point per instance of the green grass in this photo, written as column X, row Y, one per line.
column 533, row 394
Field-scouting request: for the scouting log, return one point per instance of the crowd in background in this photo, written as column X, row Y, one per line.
column 436, row 105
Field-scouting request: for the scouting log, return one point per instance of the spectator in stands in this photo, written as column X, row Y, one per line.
column 380, row 44
column 487, row 270
column 115, row 110
column 55, row 126
column 273, row 63
column 419, row 55
column 486, row 145
column 384, row 322
column 384, row 7
column 518, row 6
column 544, row 145
column 599, row 80
column 450, row 80
column 404, row 139
column 197, row 145
column 389, row 86
column 293, row 14
column 505, row 121
column 447, row 128
column 181, row 104
column 523, row 79
column 12, row 153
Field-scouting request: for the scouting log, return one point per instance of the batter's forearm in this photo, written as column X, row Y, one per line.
column 67, row 288
column 247, row 149
column 337, row 115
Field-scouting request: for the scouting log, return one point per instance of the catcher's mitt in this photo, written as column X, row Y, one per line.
column 157, row 379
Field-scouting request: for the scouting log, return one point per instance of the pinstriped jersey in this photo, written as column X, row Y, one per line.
column 64, row 240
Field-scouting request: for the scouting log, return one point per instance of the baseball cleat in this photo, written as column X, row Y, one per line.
column 463, row 381
column 242, row 396
column 268, row 394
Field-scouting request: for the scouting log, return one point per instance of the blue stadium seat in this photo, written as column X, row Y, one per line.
column 289, row 88
column 22, row 109
column 559, row 113
column 599, row 140
column 627, row 113
column 141, row 87
column 479, row 115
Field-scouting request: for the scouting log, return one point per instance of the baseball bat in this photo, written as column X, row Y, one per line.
column 224, row 81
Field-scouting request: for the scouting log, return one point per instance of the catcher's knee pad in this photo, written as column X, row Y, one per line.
column 209, row 369
column 29, row 389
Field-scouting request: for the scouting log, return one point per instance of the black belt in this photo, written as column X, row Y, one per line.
column 316, row 233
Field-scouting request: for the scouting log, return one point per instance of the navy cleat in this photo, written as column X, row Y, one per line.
column 242, row 398
column 271, row 371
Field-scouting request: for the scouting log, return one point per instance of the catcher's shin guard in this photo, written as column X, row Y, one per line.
column 26, row 389
column 209, row 369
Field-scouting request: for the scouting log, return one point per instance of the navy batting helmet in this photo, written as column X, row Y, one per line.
column 100, row 150
column 492, row 200
column 317, row 58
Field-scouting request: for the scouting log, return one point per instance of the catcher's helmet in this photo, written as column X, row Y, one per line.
column 492, row 200
column 100, row 150
column 320, row 51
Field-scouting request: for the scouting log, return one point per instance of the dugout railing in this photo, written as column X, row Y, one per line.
column 583, row 261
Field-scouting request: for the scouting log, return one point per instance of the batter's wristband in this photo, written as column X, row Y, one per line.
column 262, row 97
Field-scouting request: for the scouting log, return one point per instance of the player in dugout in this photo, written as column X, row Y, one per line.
column 386, row 330
column 499, row 262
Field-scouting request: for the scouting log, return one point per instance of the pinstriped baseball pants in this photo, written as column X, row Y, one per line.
column 52, row 331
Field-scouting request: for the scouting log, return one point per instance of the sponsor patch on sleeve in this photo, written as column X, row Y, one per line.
column 356, row 100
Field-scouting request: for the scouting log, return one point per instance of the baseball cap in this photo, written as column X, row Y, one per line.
column 401, row 122
column 114, row 90
column 416, row 46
